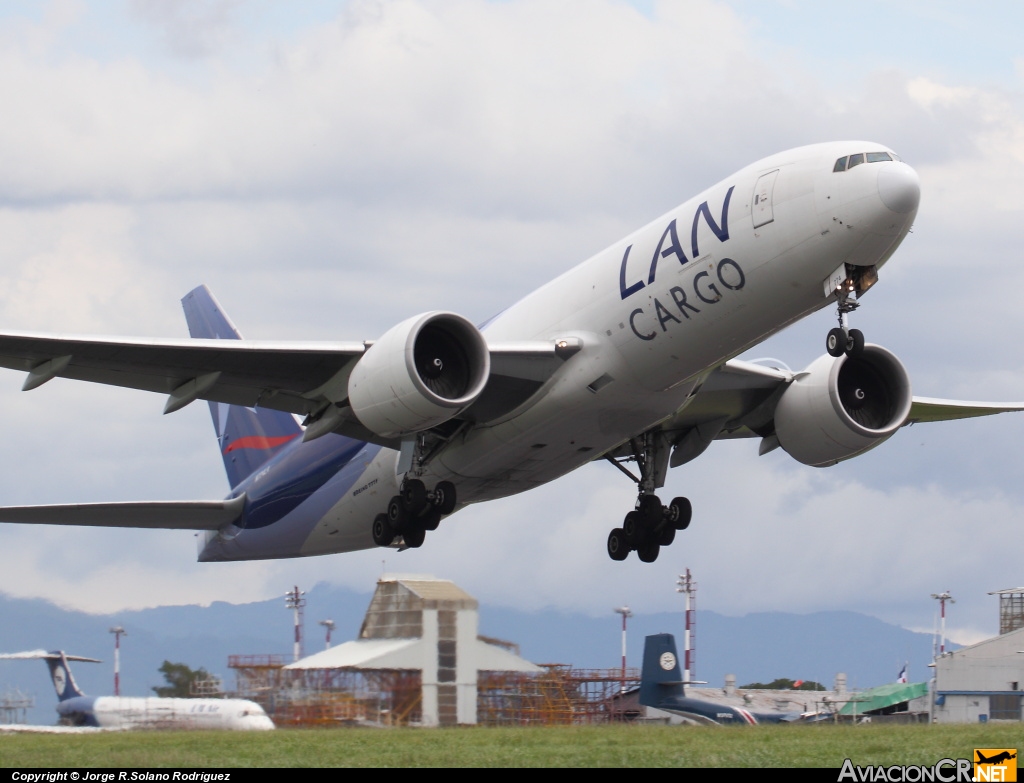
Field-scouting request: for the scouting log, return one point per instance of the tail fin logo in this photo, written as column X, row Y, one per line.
column 667, row 661
column 59, row 680
column 259, row 442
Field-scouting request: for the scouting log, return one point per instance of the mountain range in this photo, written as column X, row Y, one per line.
column 757, row 647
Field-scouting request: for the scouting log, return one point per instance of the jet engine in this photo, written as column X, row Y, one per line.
column 419, row 374
column 841, row 407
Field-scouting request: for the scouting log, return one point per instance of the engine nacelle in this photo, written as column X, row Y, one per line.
column 419, row 374
column 839, row 408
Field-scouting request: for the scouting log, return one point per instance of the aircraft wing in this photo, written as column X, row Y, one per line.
column 737, row 400
column 297, row 377
column 167, row 515
column 281, row 375
column 930, row 409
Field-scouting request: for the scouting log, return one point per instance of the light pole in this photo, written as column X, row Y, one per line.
column 118, row 632
column 294, row 600
column 686, row 586
column 942, row 598
column 329, row 625
column 625, row 612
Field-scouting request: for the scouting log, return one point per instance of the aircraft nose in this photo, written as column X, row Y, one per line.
column 899, row 188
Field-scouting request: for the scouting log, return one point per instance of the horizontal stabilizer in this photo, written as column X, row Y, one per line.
column 35, row 655
column 165, row 514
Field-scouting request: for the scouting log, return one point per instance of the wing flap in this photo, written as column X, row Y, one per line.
column 167, row 514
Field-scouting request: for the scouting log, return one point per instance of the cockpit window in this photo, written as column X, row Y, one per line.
column 847, row 162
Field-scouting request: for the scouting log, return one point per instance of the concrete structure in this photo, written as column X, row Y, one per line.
column 981, row 682
column 428, row 626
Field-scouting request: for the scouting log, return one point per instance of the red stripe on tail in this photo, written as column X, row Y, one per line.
column 259, row 442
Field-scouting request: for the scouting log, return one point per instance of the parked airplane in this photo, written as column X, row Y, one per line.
column 662, row 687
column 116, row 712
column 628, row 357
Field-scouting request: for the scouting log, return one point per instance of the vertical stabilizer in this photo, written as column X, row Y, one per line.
column 63, row 682
column 248, row 437
column 661, row 677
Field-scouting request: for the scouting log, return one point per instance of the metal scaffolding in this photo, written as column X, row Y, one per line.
column 1011, row 609
column 558, row 695
column 328, row 697
column 350, row 697
column 14, row 706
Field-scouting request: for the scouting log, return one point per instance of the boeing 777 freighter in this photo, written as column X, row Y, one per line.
column 628, row 357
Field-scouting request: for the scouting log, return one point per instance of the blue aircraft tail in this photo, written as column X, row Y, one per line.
column 661, row 677
column 63, row 682
column 248, row 437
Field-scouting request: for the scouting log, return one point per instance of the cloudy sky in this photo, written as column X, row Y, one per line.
column 329, row 169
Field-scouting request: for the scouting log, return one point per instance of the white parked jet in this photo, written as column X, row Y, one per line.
column 117, row 712
column 626, row 357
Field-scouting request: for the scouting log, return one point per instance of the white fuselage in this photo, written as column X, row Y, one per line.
column 117, row 712
column 655, row 314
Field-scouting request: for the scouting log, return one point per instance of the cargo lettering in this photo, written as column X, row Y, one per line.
column 728, row 276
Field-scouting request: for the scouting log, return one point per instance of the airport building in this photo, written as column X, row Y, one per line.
column 982, row 682
column 424, row 627
column 420, row 660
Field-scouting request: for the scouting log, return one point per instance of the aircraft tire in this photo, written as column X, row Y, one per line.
column 618, row 546
column 631, row 528
column 680, row 512
column 414, row 495
column 431, row 519
column 651, row 510
column 855, row 345
column 666, row 536
column 444, row 497
column 414, row 536
column 397, row 515
column 835, row 342
column 383, row 533
column 648, row 553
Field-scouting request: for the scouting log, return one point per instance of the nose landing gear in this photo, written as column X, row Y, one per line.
column 842, row 339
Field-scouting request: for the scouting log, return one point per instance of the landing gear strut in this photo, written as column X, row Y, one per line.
column 651, row 524
column 843, row 339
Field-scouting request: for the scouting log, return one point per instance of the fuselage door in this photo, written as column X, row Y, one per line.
column 761, row 208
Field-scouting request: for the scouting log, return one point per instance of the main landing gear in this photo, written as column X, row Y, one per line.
column 842, row 339
column 412, row 512
column 649, row 527
column 651, row 524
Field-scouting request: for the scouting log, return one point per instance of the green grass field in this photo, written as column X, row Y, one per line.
column 572, row 746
